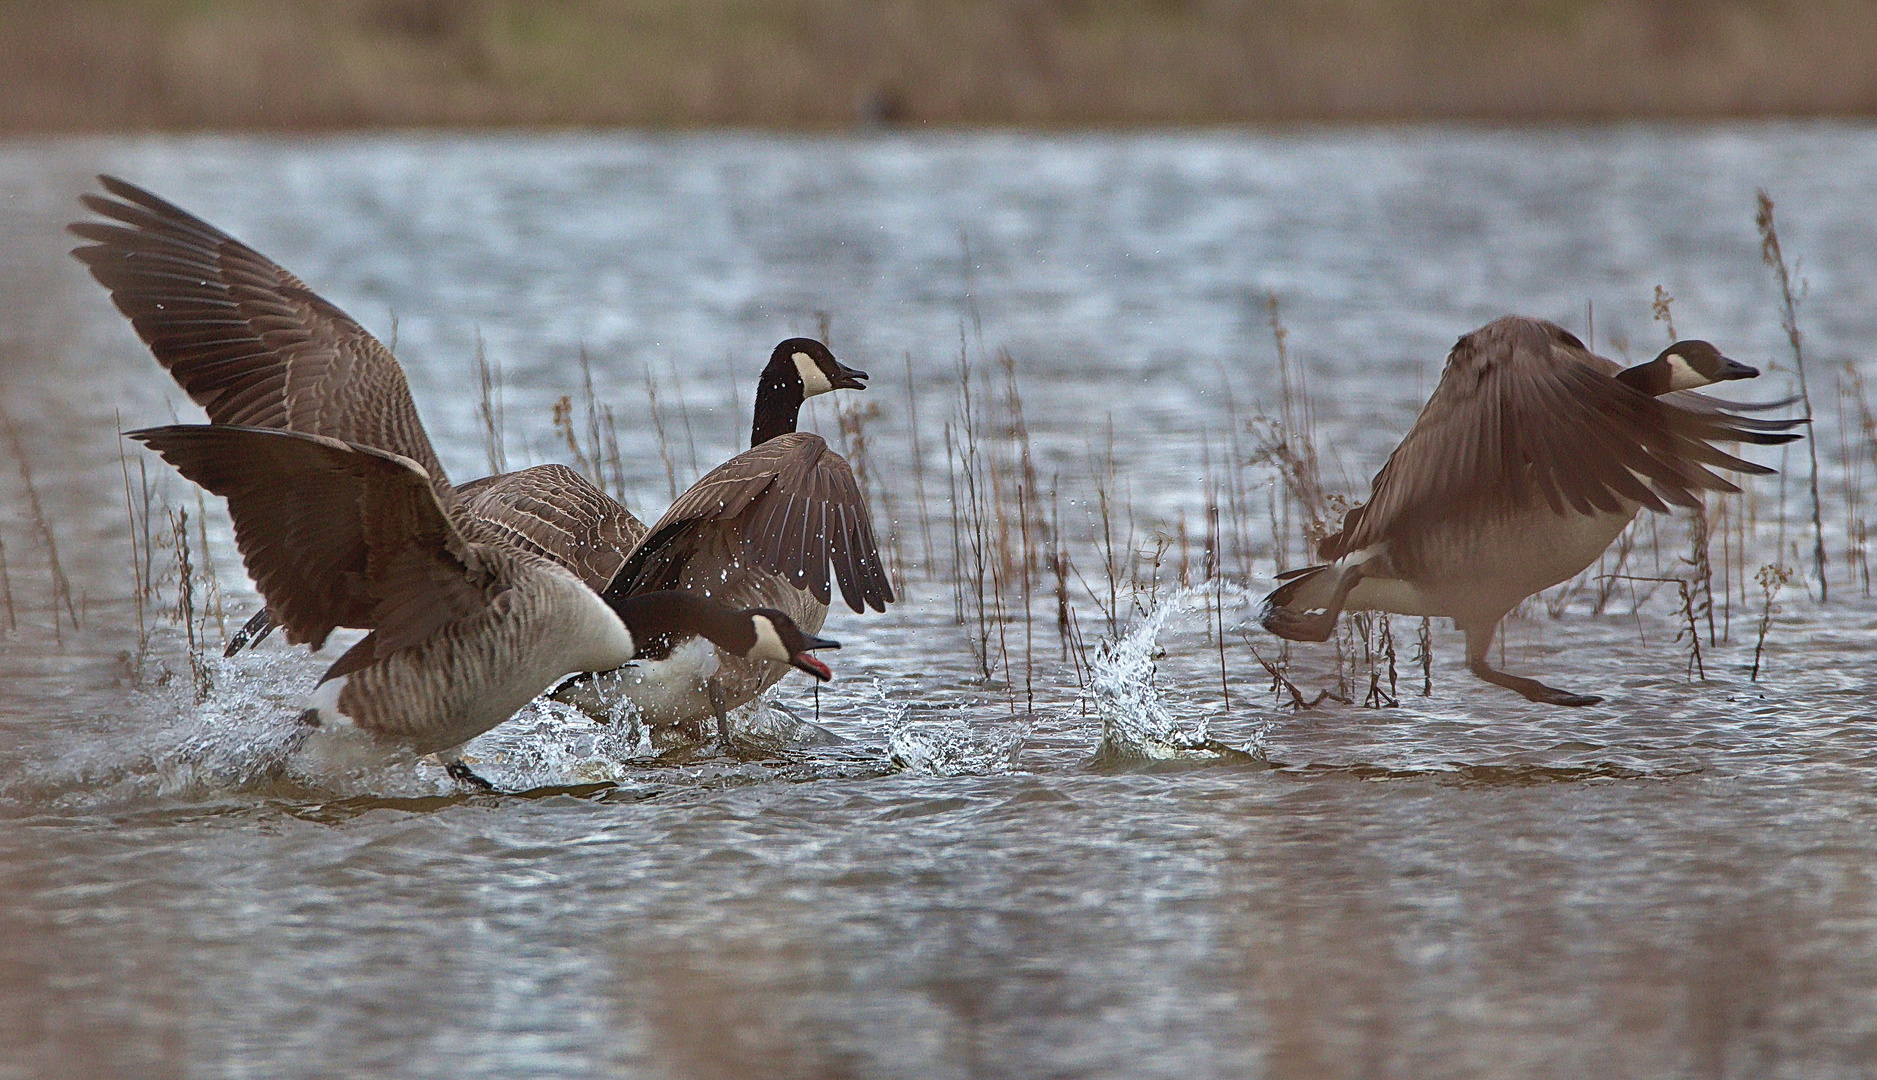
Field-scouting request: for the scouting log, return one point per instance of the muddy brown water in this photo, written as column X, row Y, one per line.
column 1676, row 882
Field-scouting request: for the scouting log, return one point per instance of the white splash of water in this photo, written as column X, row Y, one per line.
column 951, row 748
column 1136, row 724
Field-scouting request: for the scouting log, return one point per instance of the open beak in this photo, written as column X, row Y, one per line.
column 1733, row 369
column 811, row 665
column 849, row 378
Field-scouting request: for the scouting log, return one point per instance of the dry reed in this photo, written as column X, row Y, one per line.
column 1789, row 321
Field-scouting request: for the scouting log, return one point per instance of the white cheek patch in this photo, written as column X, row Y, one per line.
column 814, row 380
column 768, row 642
column 1683, row 377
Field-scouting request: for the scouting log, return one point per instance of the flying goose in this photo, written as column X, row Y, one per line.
column 466, row 628
column 253, row 345
column 1531, row 456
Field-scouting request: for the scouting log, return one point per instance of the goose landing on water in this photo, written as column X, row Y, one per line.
column 465, row 628
column 1531, row 456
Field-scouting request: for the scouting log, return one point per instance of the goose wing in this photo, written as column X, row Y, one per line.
column 794, row 507
column 247, row 340
column 554, row 512
column 336, row 534
column 1524, row 414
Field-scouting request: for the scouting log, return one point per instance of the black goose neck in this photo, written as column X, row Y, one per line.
column 659, row 621
column 1647, row 378
column 778, row 402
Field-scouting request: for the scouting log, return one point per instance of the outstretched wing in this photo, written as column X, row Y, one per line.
column 335, row 534
column 247, row 340
column 791, row 506
column 554, row 512
column 1523, row 414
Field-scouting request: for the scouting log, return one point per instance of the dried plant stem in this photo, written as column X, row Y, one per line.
column 489, row 408
column 1789, row 320
column 918, row 474
column 1772, row 577
column 61, row 587
column 658, row 426
column 6, row 589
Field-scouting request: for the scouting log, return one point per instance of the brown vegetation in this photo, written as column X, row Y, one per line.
column 248, row 64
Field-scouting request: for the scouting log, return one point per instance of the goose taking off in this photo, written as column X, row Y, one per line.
column 253, row 345
column 1531, row 456
column 465, row 627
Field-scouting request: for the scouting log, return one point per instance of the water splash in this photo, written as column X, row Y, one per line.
column 1136, row 724
column 951, row 748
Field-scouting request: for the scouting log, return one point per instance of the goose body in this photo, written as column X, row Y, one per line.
column 465, row 627
column 1531, row 456
column 253, row 345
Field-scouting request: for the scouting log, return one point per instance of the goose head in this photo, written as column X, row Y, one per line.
column 799, row 368
column 808, row 364
column 660, row 621
column 1685, row 365
column 779, row 639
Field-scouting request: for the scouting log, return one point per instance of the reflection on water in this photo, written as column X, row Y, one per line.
column 954, row 882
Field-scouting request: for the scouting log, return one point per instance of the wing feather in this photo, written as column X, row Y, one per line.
column 336, row 534
column 1524, row 415
column 248, row 341
column 790, row 507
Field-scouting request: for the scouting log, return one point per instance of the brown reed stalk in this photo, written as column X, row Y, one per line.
column 6, row 589
column 211, row 579
column 1772, row 577
column 1424, row 655
column 1281, row 685
column 1376, row 698
column 1701, row 587
column 490, row 408
column 1789, row 320
column 61, row 586
column 139, row 592
column 1029, row 647
column 185, row 611
column 1854, row 486
column 1660, row 308
column 684, row 413
column 1214, row 541
column 658, row 427
column 918, row 474
column 958, row 557
column 1686, row 611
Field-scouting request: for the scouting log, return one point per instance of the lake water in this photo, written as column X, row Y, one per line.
column 1039, row 872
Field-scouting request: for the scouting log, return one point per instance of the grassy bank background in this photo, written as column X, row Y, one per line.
column 189, row 64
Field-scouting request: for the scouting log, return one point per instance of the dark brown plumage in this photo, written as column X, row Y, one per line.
column 1529, row 458
column 790, row 506
column 553, row 511
column 248, row 341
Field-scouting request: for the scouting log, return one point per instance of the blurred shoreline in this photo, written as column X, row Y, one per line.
column 257, row 65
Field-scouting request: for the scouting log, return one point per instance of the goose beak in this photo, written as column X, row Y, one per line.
column 1733, row 369
column 849, row 378
column 811, row 665
column 808, row 663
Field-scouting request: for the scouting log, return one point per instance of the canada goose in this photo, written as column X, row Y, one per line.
column 761, row 529
column 466, row 628
column 1531, row 456
column 253, row 345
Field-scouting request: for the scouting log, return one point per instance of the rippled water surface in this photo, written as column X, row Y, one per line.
column 1065, row 869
